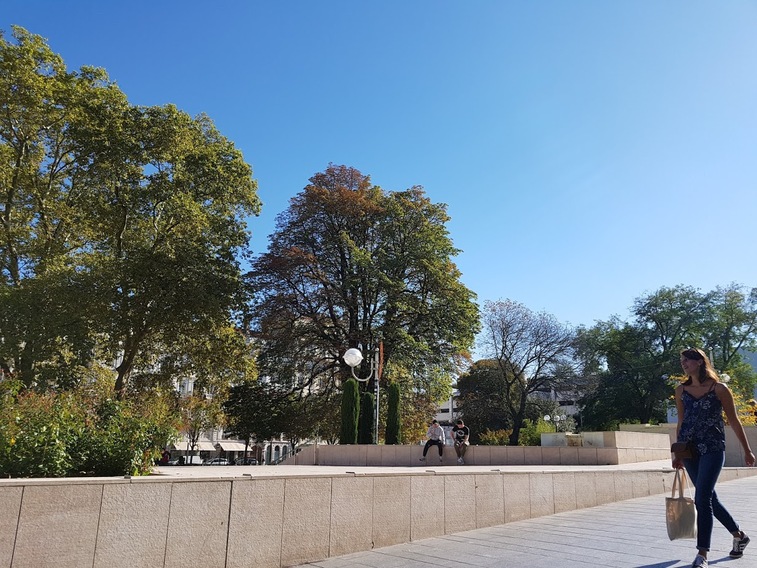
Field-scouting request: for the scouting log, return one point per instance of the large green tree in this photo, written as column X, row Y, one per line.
column 482, row 398
column 631, row 359
column 353, row 265
column 121, row 226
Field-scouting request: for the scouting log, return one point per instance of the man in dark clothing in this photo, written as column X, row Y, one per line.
column 461, row 433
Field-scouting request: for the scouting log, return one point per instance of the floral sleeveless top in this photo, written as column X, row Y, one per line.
column 703, row 422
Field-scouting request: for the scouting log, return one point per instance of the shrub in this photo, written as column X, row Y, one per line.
column 84, row 431
column 494, row 437
column 530, row 434
column 127, row 437
column 36, row 433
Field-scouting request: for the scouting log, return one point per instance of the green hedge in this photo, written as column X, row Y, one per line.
column 82, row 432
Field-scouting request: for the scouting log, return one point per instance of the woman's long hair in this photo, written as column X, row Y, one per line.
column 706, row 371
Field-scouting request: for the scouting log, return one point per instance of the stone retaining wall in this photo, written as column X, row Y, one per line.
column 597, row 448
column 734, row 454
column 271, row 522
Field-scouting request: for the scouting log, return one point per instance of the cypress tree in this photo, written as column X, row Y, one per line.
column 367, row 418
column 350, row 412
column 393, row 424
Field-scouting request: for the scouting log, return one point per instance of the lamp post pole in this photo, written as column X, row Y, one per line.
column 353, row 357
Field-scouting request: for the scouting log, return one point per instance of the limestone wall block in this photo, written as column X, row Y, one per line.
column 517, row 489
column 391, row 510
column 490, row 500
column 459, row 503
column 426, row 506
column 542, row 494
column 58, row 526
column 199, row 514
column 10, row 507
column 133, row 525
column 564, row 484
column 307, row 520
column 351, row 515
column 256, row 521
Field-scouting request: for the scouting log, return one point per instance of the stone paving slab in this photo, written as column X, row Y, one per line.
column 626, row 534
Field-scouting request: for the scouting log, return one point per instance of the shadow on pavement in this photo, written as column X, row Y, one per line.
column 669, row 563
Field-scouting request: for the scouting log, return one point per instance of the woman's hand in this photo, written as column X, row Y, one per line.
column 749, row 458
column 678, row 463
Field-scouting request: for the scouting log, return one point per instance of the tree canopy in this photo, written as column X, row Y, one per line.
column 120, row 225
column 632, row 360
column 353, row 265
column 532, row 351
column 482, row 398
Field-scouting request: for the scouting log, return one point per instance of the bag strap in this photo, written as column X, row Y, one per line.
column 680, row 481
column 677, row 483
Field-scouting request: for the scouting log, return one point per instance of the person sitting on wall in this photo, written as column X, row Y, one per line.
column 435, row 435
column 461, row 433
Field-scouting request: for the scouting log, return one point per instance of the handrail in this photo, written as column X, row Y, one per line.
column 285, row 457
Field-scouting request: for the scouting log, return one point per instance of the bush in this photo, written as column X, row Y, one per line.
column 530, row 434
column 128, row 437
column 84, row 431
column 494, row 437
column 36, row 433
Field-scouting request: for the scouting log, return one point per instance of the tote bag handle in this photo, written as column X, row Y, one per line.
column 680, row 481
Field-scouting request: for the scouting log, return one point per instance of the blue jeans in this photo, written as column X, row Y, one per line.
column 704, row 471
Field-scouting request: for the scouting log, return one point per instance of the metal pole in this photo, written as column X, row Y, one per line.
column 375, row 365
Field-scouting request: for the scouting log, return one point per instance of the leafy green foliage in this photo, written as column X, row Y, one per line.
column 629, row 361
column 37, row 432
column 367, row 418
column 121, row 225
column 494, row 437
column 482, row 399
column 257, row 411
column 532, row 431
column 84, row 431
column 350, row 412
column 198, row 414
column 353, row 265
column 126, row 435
column 393, row 420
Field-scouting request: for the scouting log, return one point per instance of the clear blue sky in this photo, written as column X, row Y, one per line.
column 589, row 151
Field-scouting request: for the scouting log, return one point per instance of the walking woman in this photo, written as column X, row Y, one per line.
column 701, row 402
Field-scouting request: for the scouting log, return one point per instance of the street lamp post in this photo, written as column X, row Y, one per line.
column 547, row 418
column 559, row 420
column 353, row 357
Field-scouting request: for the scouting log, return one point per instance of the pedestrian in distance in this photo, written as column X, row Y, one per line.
column 701, row 401
column 461, row 434
column 435, row 435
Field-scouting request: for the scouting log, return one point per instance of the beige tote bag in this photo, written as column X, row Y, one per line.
column 680, row 511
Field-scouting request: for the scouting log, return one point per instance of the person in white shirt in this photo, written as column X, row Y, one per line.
column 435, row 435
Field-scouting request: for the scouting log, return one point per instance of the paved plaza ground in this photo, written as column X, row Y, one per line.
column 625, row 534
column 628, row 534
